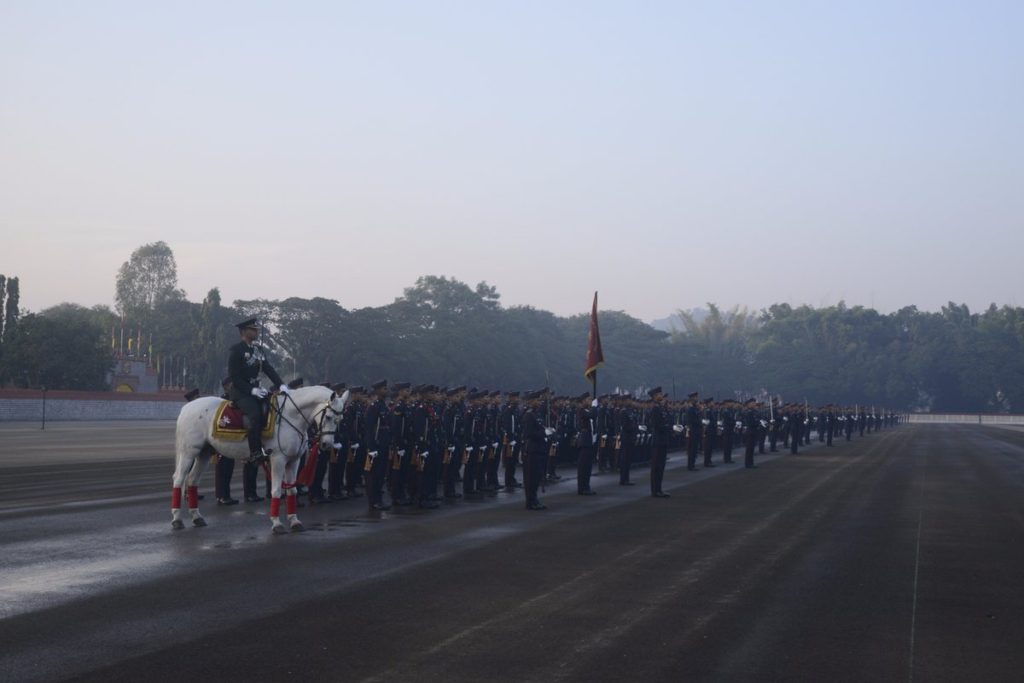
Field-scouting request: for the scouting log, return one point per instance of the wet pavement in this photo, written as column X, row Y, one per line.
column 898, row 556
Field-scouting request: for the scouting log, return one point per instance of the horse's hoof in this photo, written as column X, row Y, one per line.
column 298, row 527
column 280, row 529
column 198, row 521
column 177, row 525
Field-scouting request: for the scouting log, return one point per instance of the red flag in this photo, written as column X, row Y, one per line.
column 305, row 477
column 595, row 358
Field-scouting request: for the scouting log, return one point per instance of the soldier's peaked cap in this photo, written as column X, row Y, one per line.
column 655, row 391
column 379, row 385
column 247, row 324
column 399, row 386
column 693, row 395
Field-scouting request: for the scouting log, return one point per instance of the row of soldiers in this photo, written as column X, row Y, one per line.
column 424, row 444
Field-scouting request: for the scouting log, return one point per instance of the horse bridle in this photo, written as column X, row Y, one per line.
column 304, row 433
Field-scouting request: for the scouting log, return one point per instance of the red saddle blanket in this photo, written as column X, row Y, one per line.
column 228, row 422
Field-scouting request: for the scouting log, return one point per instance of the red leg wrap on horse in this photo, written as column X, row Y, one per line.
column 175, row 498
column 275, row 507
column 193, row 497
column 291, row 505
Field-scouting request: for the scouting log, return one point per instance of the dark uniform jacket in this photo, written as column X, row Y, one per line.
column 533, row 432
column 586, row 424
column 378, row 427
column 659, row 425
column 244, row 365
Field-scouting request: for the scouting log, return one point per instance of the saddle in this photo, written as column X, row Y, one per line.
column 229, row 421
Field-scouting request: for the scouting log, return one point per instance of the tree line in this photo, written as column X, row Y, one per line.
column 446, row 332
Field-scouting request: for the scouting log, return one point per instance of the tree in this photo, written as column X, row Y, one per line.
column 146, row 280
column 209, row 351
column 3, row 298
column 37, row 352
column 11, row 309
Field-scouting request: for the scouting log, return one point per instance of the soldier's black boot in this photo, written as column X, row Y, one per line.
column 256, row 453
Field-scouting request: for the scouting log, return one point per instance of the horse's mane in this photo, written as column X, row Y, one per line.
column 315, row 394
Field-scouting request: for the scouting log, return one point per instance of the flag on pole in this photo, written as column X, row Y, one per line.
column 595, row 358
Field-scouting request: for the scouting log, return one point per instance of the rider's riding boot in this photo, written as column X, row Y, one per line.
column 256, row 452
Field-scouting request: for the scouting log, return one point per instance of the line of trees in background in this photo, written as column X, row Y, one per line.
column 444, row 331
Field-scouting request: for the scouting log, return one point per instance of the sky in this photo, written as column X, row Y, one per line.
column 666, row 154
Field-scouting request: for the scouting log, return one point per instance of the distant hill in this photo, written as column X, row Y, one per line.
column 674, row 321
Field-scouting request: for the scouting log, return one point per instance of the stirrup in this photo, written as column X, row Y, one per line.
column 260, row 456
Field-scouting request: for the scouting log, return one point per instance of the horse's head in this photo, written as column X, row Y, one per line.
column 330, row 420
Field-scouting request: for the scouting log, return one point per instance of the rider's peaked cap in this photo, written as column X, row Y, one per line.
column 192, row 395
column 247, row 324
column 296, row 383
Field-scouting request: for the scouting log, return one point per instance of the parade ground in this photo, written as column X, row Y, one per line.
column 898, row 556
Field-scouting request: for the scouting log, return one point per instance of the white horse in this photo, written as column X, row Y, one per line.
column 297, row 411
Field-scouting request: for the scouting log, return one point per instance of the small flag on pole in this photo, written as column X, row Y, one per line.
column 595, row 358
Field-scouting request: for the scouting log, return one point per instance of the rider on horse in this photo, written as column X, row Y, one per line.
column 246, row 361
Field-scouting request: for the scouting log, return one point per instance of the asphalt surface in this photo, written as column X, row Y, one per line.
column 899, row 556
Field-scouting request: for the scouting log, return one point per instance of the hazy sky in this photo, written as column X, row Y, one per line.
column 664, row 153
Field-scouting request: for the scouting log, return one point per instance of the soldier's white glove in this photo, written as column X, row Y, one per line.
column 259, row 392
column 593, row 404
column 355, row 446
column 548, row 431
column 494, row 445
column 372, row 454
column 642, row 428
column 401, row 453
column 469, row 448
column 705, row 422
column 284, row 389
column 511, row 443
column 678, row 429
column 337, row 445
column 424, row 454
column 595, row 437
column 451, row 449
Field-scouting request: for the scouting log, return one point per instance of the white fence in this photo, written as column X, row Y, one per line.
column 963, row 419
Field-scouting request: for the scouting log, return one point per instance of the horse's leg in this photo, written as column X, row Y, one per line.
column 291, row 472
column 201, row 460
column 186, row 457
column 276, row 475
